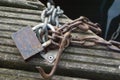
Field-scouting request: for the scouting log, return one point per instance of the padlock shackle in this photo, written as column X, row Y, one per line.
column 40, row 30
column 41, row 25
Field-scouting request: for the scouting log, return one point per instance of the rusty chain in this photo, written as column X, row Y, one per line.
column 61, row 38
column 61, row 48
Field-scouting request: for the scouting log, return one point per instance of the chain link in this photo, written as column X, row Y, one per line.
column 49, row 16
column 116, row 33
column 52, row 14
column 61, row 38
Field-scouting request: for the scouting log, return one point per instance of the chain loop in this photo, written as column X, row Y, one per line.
column 52, row 14
column 61, row 38
column 49, row 16
column 116, row 33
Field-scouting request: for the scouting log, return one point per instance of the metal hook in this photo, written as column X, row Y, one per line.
column 62, row 47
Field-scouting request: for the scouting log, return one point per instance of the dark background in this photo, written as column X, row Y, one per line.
column 76, row 8
column 95, row 10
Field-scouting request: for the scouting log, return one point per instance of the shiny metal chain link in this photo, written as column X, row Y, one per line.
column 52, row 14
column 50, row 17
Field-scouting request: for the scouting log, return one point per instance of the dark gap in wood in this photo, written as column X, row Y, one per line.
column 7, row 30
column 7, row 45
column 5, row 37
column 20, row 18
column 12, row 24
column 2, row 52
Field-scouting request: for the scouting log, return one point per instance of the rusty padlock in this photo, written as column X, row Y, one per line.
column 27, row 42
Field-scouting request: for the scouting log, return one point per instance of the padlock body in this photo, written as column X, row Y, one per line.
column 27, row 42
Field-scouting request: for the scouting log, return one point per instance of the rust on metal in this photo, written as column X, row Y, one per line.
column 27, row 42
column 61, row 49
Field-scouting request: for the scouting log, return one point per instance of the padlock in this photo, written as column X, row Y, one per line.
column 27, row 42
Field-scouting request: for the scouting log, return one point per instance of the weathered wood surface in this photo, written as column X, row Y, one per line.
column 9, row 74
column 94, row 63
column 29, row 4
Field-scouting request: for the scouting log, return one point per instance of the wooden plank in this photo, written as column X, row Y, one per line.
column 32, row 17
column 69, row 68
column 74, row 57
column 6, row 33
column 24, row 11
column 93, row 52
column 29, row 4
column 23, row 16
column 10, row 28
column 8, row 44
column 23, row 22
column 10, row 74
column 17, row 21
column 19, row 10
column 77, row 50
column 7, row 30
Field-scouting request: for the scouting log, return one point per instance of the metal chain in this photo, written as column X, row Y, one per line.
column 116, row 33
column 61, row 38
column 52, row 14
column 49, row 16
